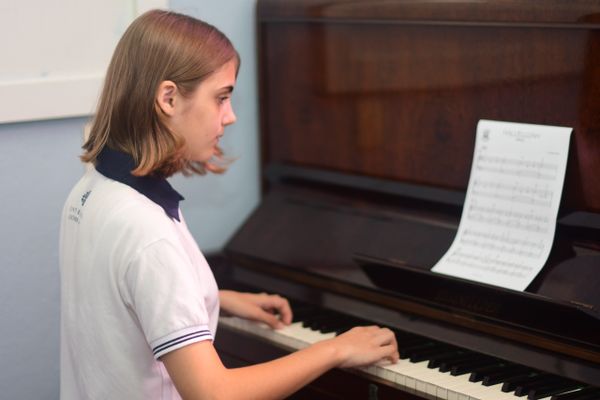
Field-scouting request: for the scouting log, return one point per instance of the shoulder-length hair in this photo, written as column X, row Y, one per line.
column 157, row 46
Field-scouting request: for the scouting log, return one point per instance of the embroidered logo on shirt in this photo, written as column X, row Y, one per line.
column 76, row 213
column 84, row 197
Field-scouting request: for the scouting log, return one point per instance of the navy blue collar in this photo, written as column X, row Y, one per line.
column 118, row 166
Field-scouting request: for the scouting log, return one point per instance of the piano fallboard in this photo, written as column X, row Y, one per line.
column 330, row 294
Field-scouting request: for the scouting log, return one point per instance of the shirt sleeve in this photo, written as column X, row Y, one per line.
column 166, row 293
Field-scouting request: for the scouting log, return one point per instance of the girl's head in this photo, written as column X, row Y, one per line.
column 156, row 101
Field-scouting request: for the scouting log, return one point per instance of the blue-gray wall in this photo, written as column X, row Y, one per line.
column 38, row 166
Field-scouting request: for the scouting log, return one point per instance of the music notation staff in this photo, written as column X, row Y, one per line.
column 509, row 216
column 513, row 192
column 518, row 167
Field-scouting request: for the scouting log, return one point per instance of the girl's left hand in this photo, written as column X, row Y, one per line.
column 271, row 309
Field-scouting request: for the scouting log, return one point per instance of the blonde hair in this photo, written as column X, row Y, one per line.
column 157, row 46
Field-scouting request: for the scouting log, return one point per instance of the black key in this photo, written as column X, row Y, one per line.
column 300, row 312
column 541, row 381
column 436, row 361
column 313, row 324
column 347, row 327
column 406, row 351
column 323, row 320
column 305, row 312
column 591, row 396
column 351, row 323
column 339, row 319
column 587, row 393
column 425, row 353
column 447, row 365
column 337, row 326
column 331, row 323
column 314, row 321
column 410, row 342
column 328, row 327
column 555, row 388
column 494, row 379
column 343, row 329
column 468, row 366
column 510, row 385
column 435, row 351
column 479, row 374
column 403, row 337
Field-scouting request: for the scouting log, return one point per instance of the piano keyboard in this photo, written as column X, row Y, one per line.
column 428, row 369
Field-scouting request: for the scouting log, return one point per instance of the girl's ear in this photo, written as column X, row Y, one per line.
column 166, row 97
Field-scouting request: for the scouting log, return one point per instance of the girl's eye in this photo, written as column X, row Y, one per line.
column 223, row 99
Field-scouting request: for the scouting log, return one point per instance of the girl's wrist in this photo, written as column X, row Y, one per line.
column 333, row 352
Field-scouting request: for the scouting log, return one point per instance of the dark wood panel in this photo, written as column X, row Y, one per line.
column 324, row 232
column 402, row 101
column 577, row 12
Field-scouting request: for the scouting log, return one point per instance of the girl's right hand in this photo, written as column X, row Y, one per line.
column 365, row 345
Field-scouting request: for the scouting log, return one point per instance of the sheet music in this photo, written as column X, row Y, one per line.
column 509, row 215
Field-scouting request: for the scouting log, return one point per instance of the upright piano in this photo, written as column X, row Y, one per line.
column 368, row 113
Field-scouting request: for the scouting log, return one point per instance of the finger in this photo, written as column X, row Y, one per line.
column 285, row 311
column 394, row 355
column 268, row 318
column 392, row 359
column 389, row 343
column 387, row 353
column 281, row 306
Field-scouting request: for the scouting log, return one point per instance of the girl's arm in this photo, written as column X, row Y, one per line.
column 198, row 373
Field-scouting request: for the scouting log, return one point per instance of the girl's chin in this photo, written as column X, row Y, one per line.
column 201, row 160
column 208, row 157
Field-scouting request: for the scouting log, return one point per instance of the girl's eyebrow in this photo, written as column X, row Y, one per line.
column 227, row 89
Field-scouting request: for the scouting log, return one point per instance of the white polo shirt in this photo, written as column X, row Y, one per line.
column 134, row 285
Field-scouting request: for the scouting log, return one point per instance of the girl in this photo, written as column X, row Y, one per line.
column 139, row 302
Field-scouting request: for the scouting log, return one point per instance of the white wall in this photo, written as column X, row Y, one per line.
column 64, row 46
column 38, row 165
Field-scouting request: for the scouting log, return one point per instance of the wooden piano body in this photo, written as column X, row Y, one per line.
column 368, row 117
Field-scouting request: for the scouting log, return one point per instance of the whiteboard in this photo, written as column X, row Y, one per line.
column 55, row 53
